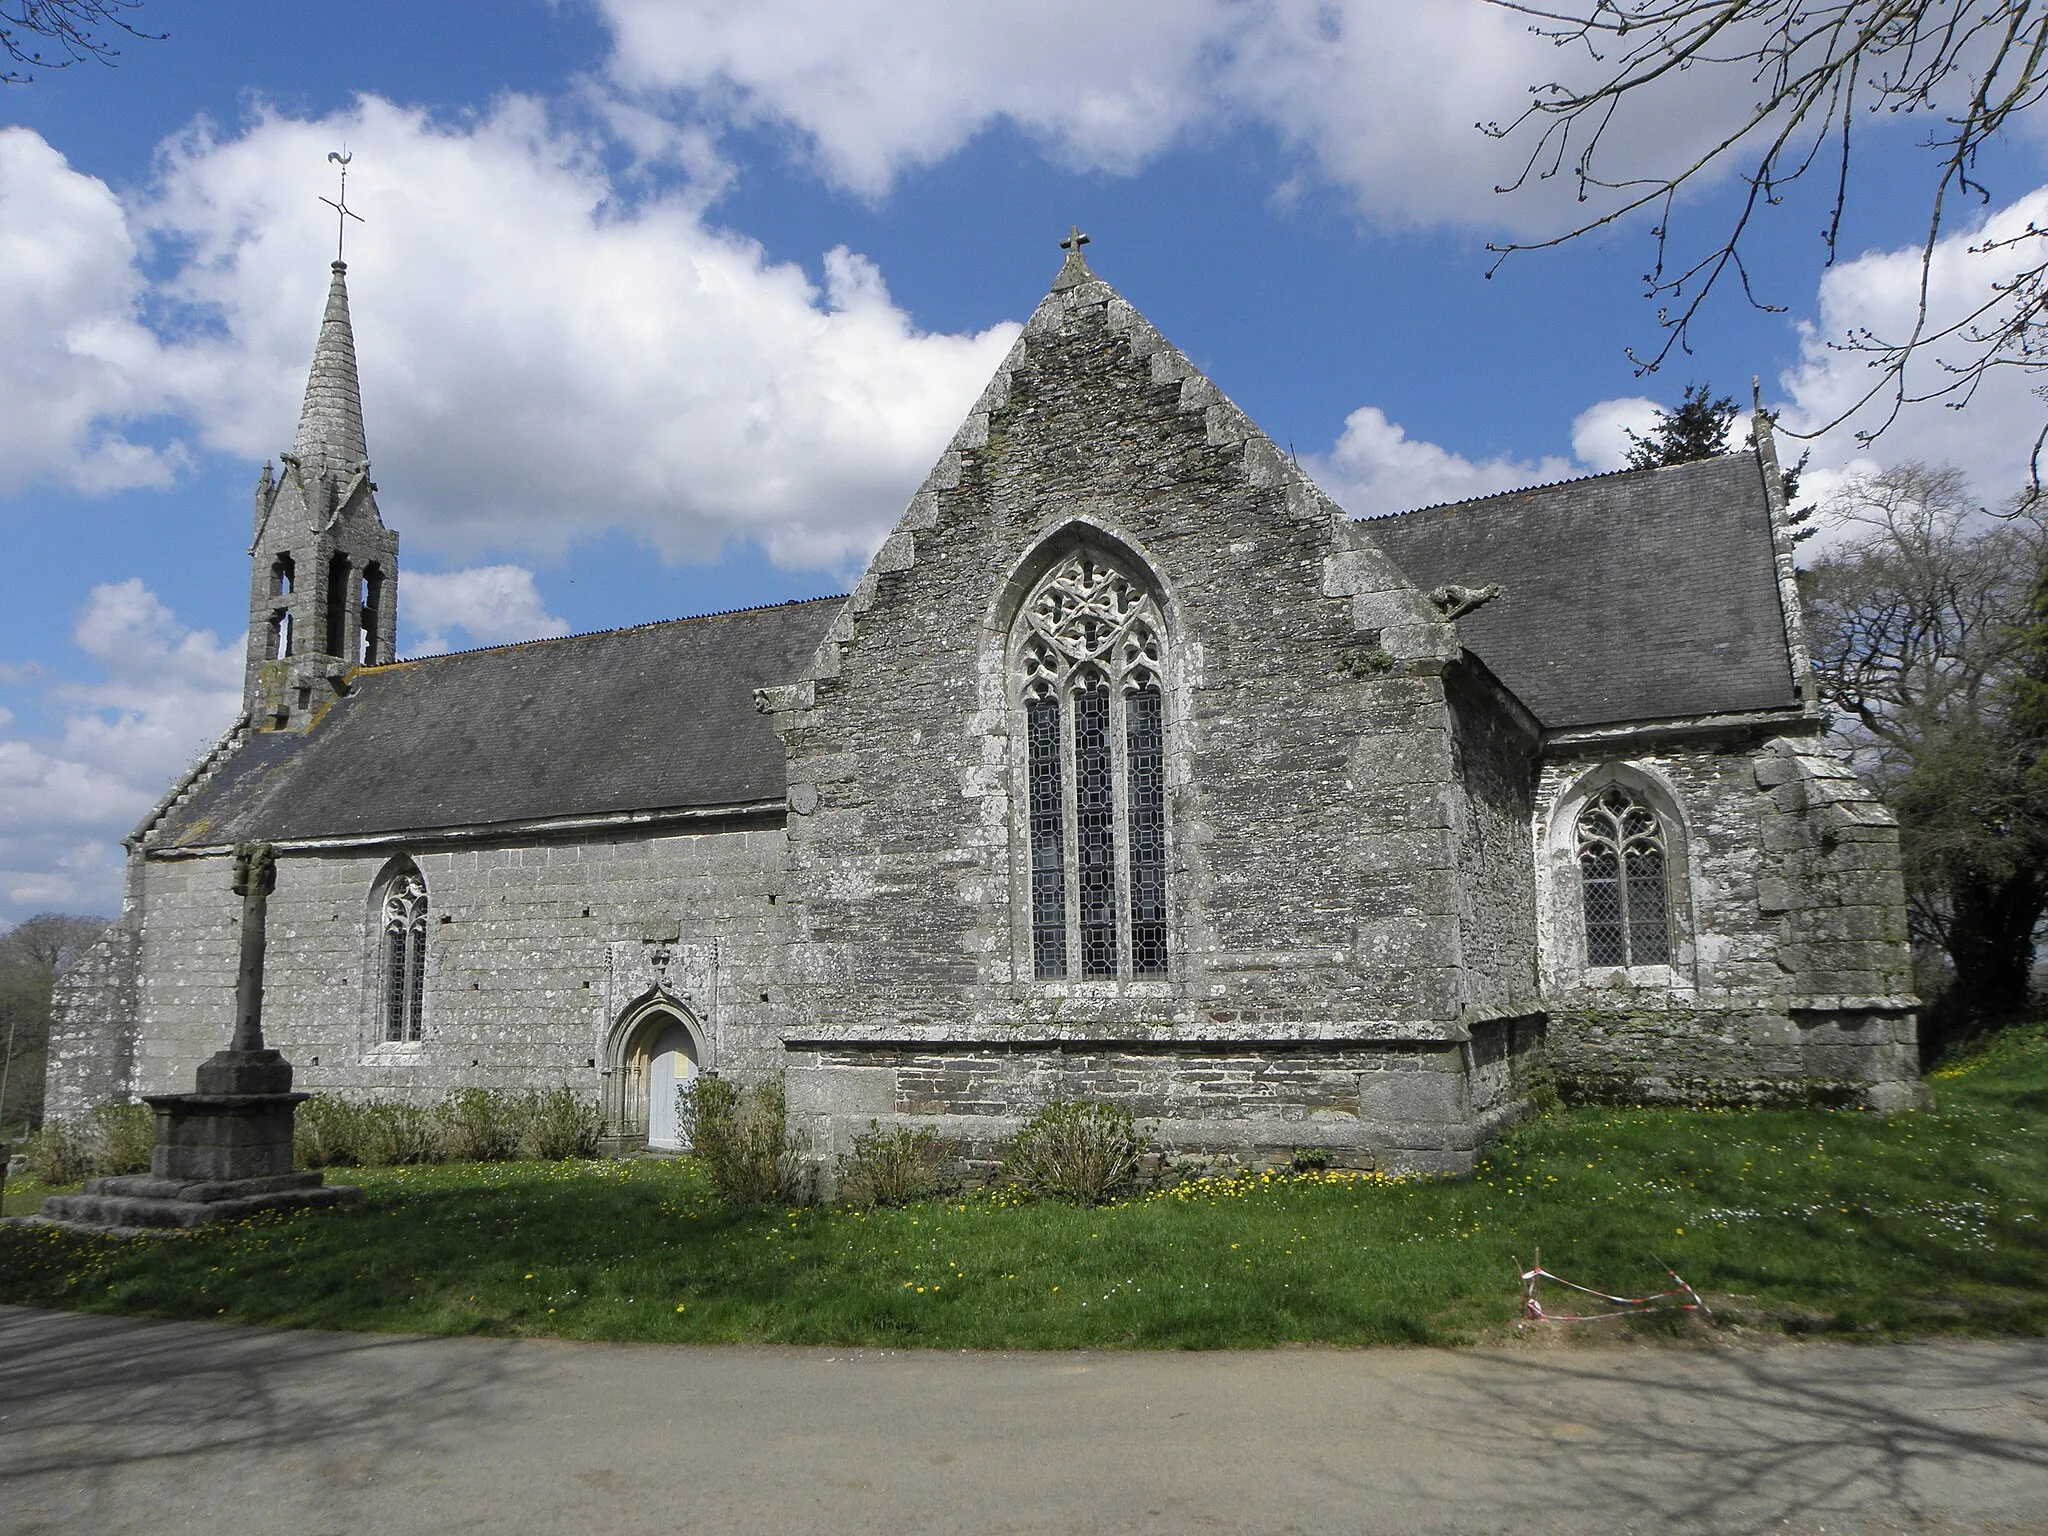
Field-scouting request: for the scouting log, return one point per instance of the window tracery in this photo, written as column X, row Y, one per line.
column 1621, row 853
column 1090, row 664
column 404, row 955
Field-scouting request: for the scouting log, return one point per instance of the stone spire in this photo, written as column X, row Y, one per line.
column 331, row 424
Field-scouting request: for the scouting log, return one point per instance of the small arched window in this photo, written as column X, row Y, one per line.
column 1090, row 667
column 1622, row 872
column 403, row 954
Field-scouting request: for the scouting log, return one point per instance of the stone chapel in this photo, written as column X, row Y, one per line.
column 1133, row 768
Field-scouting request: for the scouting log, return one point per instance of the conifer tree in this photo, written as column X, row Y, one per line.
column 1697, row 429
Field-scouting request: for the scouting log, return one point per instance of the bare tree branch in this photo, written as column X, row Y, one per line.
column 1822, row 70
column 56, row 34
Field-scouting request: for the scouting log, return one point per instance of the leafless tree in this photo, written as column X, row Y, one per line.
column 1923, row 629
column 1823, row 73
column 56, row 34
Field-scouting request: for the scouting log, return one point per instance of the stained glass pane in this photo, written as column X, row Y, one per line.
column 1048, row 839
column 1621, row 869
column 1145, row 763
column 1095, row 831
column 1649, row 935
column 394, row 984
column 1606, row 931
column 416, row 983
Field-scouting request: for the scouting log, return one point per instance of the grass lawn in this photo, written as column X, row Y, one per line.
column 1814, row 1221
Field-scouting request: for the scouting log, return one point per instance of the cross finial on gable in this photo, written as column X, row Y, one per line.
column 1074, row 241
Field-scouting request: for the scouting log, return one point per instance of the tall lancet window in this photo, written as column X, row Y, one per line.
column 1621, row 876
column 1091, row 673
column 404, row 954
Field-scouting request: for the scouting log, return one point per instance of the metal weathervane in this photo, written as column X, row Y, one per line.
column 342, row 212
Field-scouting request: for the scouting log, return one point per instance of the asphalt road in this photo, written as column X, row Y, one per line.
column 111, row 1426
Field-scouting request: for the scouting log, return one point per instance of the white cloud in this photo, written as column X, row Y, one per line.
column 65, row 803
column 490, row 604
column 78, row 363
column 542, row 359
column 1877, row 294
column 1377, row 467
column 1380, row 97
column 1600, row 433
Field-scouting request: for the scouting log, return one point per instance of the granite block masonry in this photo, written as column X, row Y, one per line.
column 1132, row 768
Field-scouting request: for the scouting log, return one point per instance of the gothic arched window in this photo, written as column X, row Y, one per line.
column 1090, row 663
column 403, row 954
column 1620, row 847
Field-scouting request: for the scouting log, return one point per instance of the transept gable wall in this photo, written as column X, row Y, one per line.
column 1306, row 718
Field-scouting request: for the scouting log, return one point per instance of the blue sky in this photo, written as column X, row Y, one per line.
column 664, row 306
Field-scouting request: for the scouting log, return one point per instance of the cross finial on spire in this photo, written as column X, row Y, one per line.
column 1074, row 241
column 342, row 212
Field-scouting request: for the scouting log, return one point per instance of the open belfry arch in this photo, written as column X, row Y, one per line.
column 1132, row 768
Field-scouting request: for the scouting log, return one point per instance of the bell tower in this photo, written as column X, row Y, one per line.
column 323, row 590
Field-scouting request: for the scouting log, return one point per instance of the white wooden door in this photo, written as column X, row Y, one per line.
column 673, row 1067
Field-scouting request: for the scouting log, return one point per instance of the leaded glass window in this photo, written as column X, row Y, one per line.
column 1091, row 672
column 1621, row 878
column 404, row 955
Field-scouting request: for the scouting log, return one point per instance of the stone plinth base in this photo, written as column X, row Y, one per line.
column 214, row 1137
column 145, row 1201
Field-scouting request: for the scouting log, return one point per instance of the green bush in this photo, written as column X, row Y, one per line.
column 124, row 1136
column 327, row 1132
column 393, row 1131
column 741, row 1136
column 557, row 1124
column 479, row 1125
column 1076, row 1150
column 890, row 1167
column 114, row 1138
column 59, row 1153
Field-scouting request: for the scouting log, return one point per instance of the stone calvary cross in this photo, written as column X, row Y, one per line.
column 224, row 1151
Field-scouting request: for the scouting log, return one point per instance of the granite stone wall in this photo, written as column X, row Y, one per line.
column 92, row 1025
column 1320, row 845
column 1791, row 978
column 535, row 955
column 1412, row 1106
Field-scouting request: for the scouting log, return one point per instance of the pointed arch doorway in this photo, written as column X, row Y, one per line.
column 660, row 1053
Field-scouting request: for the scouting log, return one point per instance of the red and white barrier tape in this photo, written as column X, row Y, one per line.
column 1628, row 1306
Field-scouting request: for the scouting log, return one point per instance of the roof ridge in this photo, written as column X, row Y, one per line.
column 590, row 634
column 1545, row 485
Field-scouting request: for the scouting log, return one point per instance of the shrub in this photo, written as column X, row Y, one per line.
column 1309, row 1159
column 741, row 1136
column 557, row 1124
column 327, row 1132
column 1071, row 1150
column 890, row 1167
column 480, row 1125
column 124, row 1136
column 59, row 1153
column 114, row 1138
column 393, row 1131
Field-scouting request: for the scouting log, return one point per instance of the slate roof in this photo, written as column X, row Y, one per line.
column 1645, row 595
column 658, row 717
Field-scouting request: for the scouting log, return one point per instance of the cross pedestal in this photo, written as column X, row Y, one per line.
column 224, row 1151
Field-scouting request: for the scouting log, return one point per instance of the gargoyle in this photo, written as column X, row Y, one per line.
column 1455, row 602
